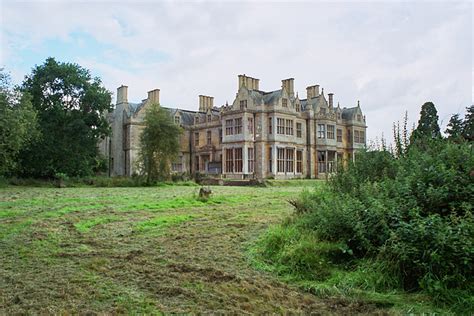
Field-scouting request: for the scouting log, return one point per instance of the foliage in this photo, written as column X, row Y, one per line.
column 401, row 137
column 159, row 144
column 410, row 214
column 428, row 127
column 18, row 124
column 71, row 107
column 455, row 127
column 468, row 124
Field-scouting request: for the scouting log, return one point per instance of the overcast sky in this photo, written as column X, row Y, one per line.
column 392, row 56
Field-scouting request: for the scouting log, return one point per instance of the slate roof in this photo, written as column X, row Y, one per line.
column 133, row 108
column 348, row 113
column 311, row 103
column 270, row 97
column 188, row 116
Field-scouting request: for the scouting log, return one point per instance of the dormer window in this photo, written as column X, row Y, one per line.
column 177, row 120
column 243, row 104
column 196, row 120
column 298, row 108
column 209, row 117
column 322, row 110
column 284, row 103
column 359, row 117
column 338, row 115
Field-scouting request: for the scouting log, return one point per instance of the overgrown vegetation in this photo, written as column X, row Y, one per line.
column 392, row 222
column 18, row 124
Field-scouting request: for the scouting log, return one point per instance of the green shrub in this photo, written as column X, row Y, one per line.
column 410, row 217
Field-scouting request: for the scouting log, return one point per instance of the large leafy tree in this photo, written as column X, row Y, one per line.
column 454, row 128
column 428, row 127
column 468, row 124
column 71, row 107
column 159, row 144
column 18, row 125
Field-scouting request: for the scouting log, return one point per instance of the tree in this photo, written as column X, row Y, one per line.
column 159, row 144
column 71, row 108
column 18, row 125
column 428, row 127
column 468, row 124
column 455, row 128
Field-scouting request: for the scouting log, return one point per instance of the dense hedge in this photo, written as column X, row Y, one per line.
column 410, row 216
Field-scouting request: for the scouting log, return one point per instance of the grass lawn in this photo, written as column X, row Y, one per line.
column 145, row 250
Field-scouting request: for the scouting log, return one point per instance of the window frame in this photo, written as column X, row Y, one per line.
column 280, row 159
column 229, row 127
column 209, row 137
column 229, row 160
column 299, row 129
column 289, row 160
column 250, row 160
column 330, row 131
column 289, row 127
column 238, row 160
column 196, row 138
column 238, row 125
column 321, row 131
column 299, row 161
column 280, row 126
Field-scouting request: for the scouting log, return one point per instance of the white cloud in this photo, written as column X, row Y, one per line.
column 391, row 56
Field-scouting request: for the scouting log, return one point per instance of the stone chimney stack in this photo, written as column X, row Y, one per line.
column 154, row 96
column 249, row 82
column 205, row 103
column 288, row 85
column 312, row 91
column 331, row 99
column 122, row 94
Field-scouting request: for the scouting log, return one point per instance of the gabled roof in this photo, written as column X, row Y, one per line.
column 348, row 113
column 188, row 116
column 270, row 97
column 312, row 103
column 134, row 108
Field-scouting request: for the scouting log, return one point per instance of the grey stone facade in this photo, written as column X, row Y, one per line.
column 260, row 135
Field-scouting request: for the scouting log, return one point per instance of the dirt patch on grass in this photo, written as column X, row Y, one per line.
column 208, row 273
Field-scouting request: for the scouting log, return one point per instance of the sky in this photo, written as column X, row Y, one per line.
column 392, row 56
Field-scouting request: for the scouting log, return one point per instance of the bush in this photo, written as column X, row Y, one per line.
column 411, row 216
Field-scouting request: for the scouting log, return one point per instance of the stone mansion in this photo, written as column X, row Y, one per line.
column 260, row 135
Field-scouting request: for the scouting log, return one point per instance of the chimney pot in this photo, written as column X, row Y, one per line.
column 248, row 82
column 331, row 99
column 122, row 94
column 154, row 96
column 288, row 85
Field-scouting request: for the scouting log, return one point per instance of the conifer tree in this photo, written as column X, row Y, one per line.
column 428, row 127
column 468, row 124
column 455, row 127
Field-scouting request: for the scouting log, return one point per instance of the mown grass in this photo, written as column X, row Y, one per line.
column 161, row 222
column 159, row 250
column 86, row 225
column 143, row 250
